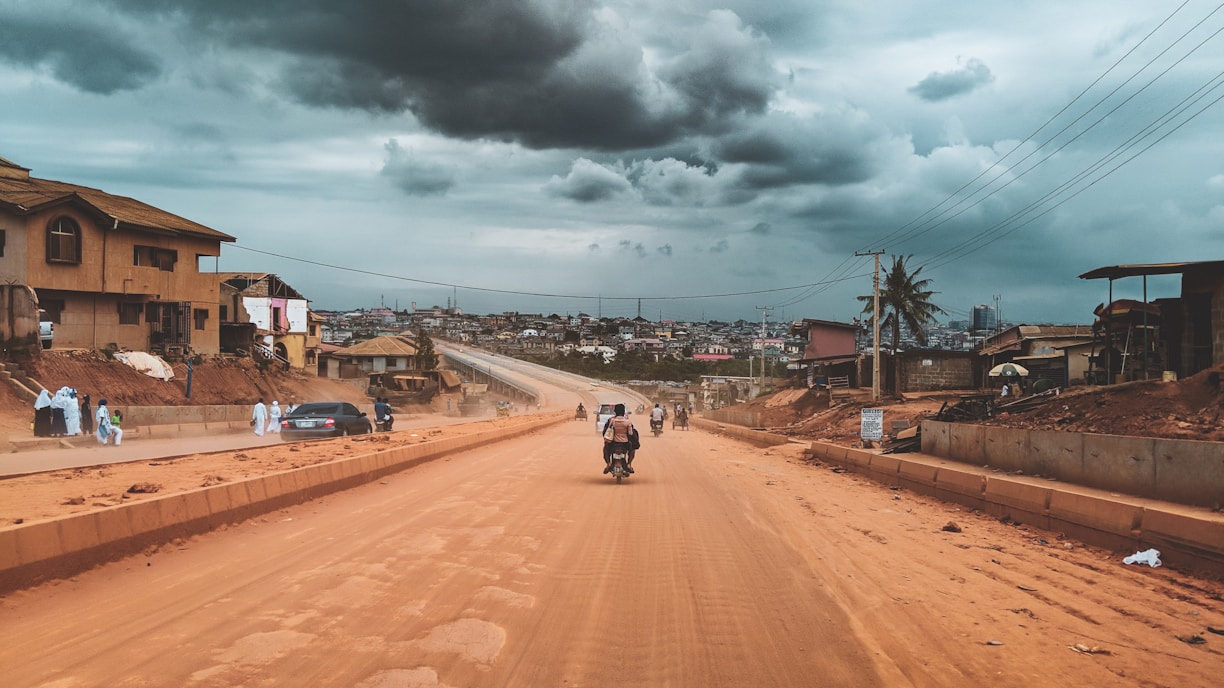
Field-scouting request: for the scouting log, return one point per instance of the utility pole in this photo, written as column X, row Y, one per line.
column 875, row 324
column 764, row 312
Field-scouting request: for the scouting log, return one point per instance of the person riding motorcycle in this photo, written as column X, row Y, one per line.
column 656, row 417
column 622, row 435
column 382, row 413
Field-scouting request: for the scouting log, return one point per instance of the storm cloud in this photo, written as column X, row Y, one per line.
column 939, row 86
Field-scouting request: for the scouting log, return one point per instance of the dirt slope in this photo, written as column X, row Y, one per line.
column 1191, row 409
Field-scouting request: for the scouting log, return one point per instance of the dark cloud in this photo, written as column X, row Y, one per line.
column 95, row 58
column 721, row 246
column 413, row 176
column 664, row 250
column 939, row 86
column 545, row 73
column 588, row 182
column 783, row 150
column 761, row 228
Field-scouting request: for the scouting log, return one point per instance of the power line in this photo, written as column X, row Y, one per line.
column 514, row 292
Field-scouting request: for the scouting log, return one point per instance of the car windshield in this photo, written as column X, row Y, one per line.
column 607, row 409
column 316, row 410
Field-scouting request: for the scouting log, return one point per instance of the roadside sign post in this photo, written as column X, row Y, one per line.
column 872, row 425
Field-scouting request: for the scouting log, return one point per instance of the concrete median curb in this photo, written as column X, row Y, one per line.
column 1189, row 538
column 31, row 553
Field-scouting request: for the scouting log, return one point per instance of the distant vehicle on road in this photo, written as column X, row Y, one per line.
column 324, row 419
column 605, row 412
column 46, row 332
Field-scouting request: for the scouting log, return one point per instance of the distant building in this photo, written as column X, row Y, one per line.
column 984, row 318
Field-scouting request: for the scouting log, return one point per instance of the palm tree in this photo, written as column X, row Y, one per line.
column 904, row 299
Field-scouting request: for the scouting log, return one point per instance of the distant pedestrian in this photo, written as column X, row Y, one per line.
column 107, row 426
column 42, row 414
column 274, row 417
column 116, row 421
column 72, row 412
column 1006, row 391
column 87, row 419
column 259, row 418
column 58, row 427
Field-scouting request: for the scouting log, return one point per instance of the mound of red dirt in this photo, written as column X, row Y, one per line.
column 1189, row 409
column 214, row 380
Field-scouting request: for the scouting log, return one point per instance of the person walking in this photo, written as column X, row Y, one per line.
column 72, row 413
column 87, row 419
column 274, row 417
column 58, row 427
column 42, row 414
column 116, row 421
column 259, row 418
column 106, row 426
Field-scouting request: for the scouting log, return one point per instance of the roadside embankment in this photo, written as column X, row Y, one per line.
column 1189, row 538
column 55, row 548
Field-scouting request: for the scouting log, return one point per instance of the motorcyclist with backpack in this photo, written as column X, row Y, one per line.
column 622, row 433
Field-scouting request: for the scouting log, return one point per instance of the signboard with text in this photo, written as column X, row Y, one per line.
column 872, row 426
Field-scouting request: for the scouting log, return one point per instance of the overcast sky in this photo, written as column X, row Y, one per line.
column 736, row 151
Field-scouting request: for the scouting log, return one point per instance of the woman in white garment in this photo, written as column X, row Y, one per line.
column 106, row 430
column 72, row 412
column 274, row 417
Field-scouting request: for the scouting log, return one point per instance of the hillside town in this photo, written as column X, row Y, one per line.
column 87, row 269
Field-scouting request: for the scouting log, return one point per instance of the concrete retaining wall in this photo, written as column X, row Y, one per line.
column 38, row 551
column 1180, row 471
column 757, row 437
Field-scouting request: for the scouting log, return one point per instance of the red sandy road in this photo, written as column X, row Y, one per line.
column 518, row 565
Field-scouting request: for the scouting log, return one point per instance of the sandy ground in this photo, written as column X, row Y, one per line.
column 518, row 564
column 55, row 493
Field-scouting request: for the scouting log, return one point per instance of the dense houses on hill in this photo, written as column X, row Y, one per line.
column 110, row 272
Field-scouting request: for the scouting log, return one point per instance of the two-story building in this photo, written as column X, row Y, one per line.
column 109, row 271
column 279, row 313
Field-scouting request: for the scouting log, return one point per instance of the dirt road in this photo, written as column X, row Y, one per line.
column 519, row 565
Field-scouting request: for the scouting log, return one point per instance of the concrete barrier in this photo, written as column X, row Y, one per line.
column 1181, row 471
column 1018, row 500
column 1109, row 522
column 757, row 437
column 33, row 552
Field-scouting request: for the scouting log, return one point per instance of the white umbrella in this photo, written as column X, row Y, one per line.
column 1008, row 370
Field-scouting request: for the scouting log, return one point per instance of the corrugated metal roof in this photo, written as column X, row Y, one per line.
column 1117, row 271
column 380, row 346
column 29, row 195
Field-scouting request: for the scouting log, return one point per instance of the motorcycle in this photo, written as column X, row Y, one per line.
column 385, row 424
column 656, row 426
column 620, row 462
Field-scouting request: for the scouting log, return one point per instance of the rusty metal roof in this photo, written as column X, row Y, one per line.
column 25, row 195
column 1117, row 271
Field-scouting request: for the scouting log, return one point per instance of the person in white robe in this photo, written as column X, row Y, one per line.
column 259, row 418
column 106, row 429
column 274, row 417
column 72, row 413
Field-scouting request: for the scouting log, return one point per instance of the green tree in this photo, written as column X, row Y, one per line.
column 904, row 299
column 426, row 357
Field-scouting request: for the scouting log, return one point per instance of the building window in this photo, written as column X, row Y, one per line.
column 2, row 234
column 153, row 257
column 63, row 241
column 129, row 313
column 224, row 314
column 52, row 309
column 201, row 317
